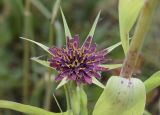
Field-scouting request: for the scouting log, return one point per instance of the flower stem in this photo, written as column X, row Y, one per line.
column 67, row 97
column 48, row 95
column 138, row 38
column 26, row 51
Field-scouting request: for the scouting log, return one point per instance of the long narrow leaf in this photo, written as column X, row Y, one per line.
column 128, row 13
column 55, row 10
column 63, row 82
column 66, row 28
column 41, row 8
column 37, row 43
column 152, row 82
column 111, row 66
column 42, row 62
column 109, row 49
column 91, row 33
column 96, row 82
column 27, row 109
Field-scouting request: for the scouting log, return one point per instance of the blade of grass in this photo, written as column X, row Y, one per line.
column 41, row 8
column 27, row 33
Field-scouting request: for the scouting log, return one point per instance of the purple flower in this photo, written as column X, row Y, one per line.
column 76, row 63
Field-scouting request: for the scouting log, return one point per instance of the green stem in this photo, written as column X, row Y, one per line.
column 51, row 41
column 48, row 82
column 26, row 52
column 67, row 97
column 138, row 38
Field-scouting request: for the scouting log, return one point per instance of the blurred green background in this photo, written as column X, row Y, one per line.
column 24, row 81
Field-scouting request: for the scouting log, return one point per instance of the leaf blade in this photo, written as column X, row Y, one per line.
column 111, row 66
column 42, row 62
column 66, row 28
column 39, row 44
column 152, row 82
column 91, row 33
column 121, row 96
column 128, row 13
column 62, row 82
column 41, row 8
column 27, row 109
column 96, row 82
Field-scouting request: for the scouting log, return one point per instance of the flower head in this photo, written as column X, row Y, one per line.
column 76, row 63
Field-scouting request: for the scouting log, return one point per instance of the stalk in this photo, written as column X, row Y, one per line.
column 138, row 38
column 48, row 95
column 67, row 93
column 26, row 51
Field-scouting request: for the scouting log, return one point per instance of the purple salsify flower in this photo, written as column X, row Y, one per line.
column 78, row 64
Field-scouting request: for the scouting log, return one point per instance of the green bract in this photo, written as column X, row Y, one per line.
column 121, row 96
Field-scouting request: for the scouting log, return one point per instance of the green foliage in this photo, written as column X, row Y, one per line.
column 42, row 62
column 39, row 44
column 91, row 33
column 66, row 28
column 27, row 109
column 152, row 82
column 78, row 100
column 128, row 13
column 111, row 66
column 96, row 82
column 63, row 82
column 121, row 96
column 41, row 8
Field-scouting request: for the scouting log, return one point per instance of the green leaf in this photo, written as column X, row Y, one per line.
column 111, row 66
column 42, row 62
column 121, row 96
column 63, row 82
column 111, row 48
column 146, row 113
column 39, row 44
column 41, row 8
column 91, row 33
column 66, row 28
column 55, row 10
column 96, row 82
column 27, row 109
column 128, row 13
column 152, row 82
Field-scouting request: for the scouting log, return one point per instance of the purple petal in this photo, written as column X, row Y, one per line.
column 76, row 41
column 97, row 68
column 53, row 50
column 68, row 42
column 87, row 79
column 93, row 48
column 102, row 52
column 87, row 42
column 97, row 75
column 59, row 77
